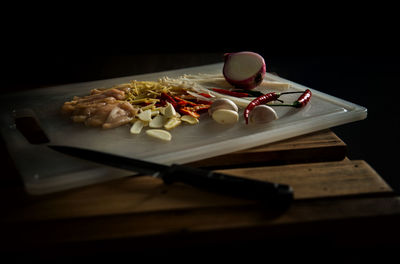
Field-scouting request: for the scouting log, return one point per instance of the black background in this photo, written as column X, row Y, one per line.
column 348, row 52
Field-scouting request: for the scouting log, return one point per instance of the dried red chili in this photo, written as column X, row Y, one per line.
column 303, row 99
column 231, row 93
column 183, row 102
column 263, row 99
column 188, row 111
column 206, row 95
column 167, row 98
column 269, row 97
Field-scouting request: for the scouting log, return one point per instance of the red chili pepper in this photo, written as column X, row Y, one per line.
column 183, row 102
column 227, row 92
column 303, row 99
column 201, row 108
column 206, row 95
column 201, row 102
column 166, row 97
column 263, row 99
column 188, row 111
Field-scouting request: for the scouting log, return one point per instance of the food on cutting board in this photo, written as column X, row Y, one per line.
column 262, row 114
column 140, row 103
column 244, row 69
column 273, row 96
column 224, row 111
column 222, row 103
column 225, row 116
column 102, row 108
column 159, row 134
column 160, row 106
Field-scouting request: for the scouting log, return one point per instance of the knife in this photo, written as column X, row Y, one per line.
column 272, row 194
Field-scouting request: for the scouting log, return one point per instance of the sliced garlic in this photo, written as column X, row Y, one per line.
column 157, row 122
column 159, row 133
column 224, row 116
column 137, row 127
column 169, row 111
column 172, row 123
column 155, row 112
column 190, row 119
column 161, row 110
column 145, row 115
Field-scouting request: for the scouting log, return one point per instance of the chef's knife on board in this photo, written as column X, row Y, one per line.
column 269, row 193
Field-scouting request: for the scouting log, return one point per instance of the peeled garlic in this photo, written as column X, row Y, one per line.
column 160, row 134
column 137, row 127
column 224, row 116
column 145, row 115
column 157, row 122
column 169, row 111
column 172, row 123
column 155, row 112
column 190, row 119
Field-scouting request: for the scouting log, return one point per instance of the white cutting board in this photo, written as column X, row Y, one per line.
column 44, row 170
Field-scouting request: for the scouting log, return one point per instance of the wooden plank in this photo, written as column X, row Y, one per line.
column 226, row 224
column 321, row 180
column 149, row 195
column 314, row 147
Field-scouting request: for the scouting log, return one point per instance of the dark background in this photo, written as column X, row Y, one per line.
column 349, row 52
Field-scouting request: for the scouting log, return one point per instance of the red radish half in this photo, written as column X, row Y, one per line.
column 244, row 69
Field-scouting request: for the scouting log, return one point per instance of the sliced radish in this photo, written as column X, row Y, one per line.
column 244, row 69
column 225, row 116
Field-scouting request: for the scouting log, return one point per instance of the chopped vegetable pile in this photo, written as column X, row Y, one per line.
column 141, row 103
column 160, row 106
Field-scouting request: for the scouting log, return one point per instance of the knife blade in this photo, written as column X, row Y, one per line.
column 273, row 194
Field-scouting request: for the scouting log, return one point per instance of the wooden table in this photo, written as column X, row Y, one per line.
column 338, row 202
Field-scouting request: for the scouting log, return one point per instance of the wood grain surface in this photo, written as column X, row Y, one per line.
column 333, row 197
column 318, row 146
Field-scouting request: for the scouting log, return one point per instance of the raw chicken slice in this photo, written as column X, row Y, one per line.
column 102, row 108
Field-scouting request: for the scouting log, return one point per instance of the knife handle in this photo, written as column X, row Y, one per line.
column 267, row 192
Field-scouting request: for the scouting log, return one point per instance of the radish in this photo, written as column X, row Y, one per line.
column 244, row 70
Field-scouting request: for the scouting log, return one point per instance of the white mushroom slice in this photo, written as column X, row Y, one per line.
column 169, row 111
column 172, row 123
column 190, row 119
column 159, row 133
column 145, row 115
column 157, row 122
column 137, row 127
column 224, row 116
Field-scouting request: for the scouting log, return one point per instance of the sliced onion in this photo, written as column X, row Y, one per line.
column 244, row 70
